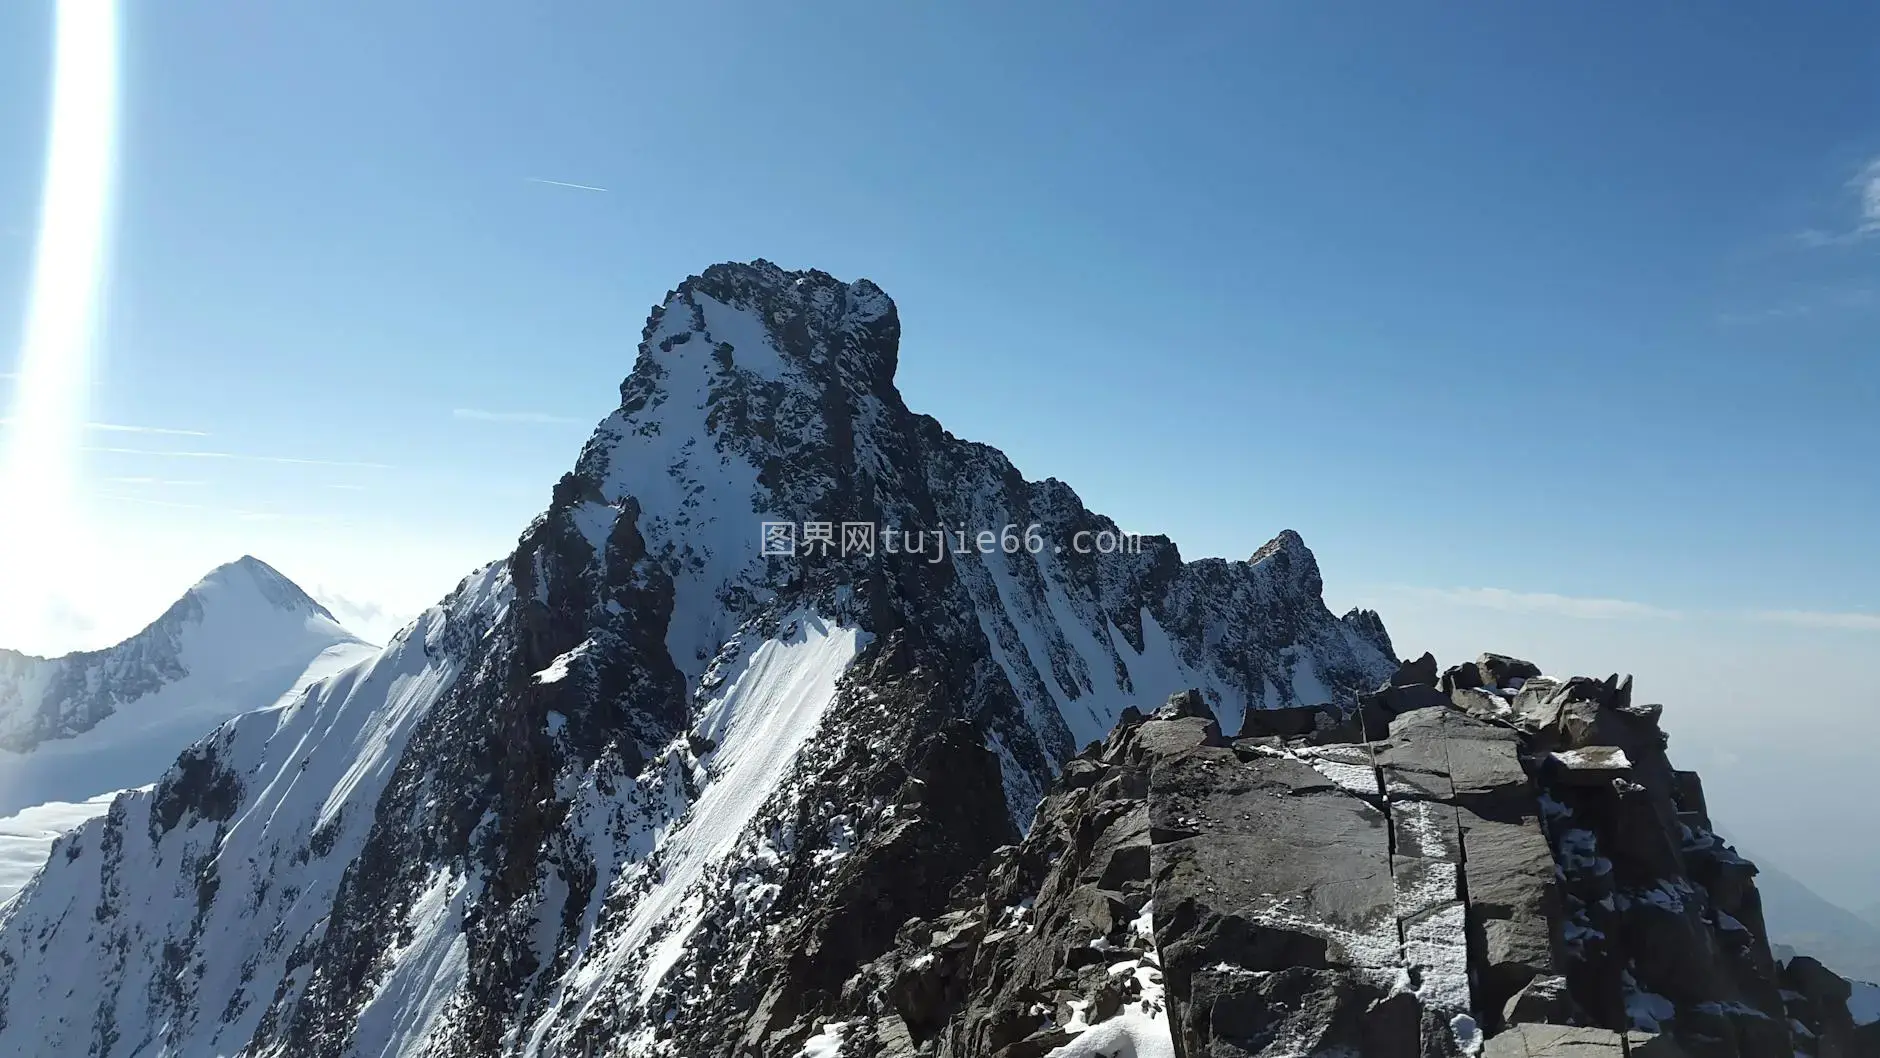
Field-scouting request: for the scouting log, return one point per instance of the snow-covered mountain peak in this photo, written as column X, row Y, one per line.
column 250, row 583
column 749, row 377
column 1289, row 562
column 796, row 308
column 1288, row 546
column 241, row 620
column 77, row 729
column 736, row 332
column 762, row 395
column 591, row 780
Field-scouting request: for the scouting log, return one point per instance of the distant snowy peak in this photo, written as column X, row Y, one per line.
column 253, row 585
column 242, row 618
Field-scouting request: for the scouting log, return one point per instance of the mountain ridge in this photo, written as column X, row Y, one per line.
column 614, row 793
column 1467, row 864
column 540, row 746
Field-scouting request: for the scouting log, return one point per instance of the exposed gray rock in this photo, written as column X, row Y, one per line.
column 1328, row 724
column 1420, row 672
column 1457, row 877
column 1543, row 1000
column 1500, row 670
column 1590, row 765
column 949, row 815
column 1473, row 770
column 1241, row 894
column 1556, row 1041
column 1395, row 699
column 1817, row 1005
column 1464, row 677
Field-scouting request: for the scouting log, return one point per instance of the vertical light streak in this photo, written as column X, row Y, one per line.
column 38, row 471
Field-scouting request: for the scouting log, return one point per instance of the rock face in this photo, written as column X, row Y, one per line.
column 647, row 786
column 1515, row 872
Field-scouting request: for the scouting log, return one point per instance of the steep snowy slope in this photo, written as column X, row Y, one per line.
column 91, row 724
column 572, row 809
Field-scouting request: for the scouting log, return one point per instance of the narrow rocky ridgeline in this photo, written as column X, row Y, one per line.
column 1483, row 861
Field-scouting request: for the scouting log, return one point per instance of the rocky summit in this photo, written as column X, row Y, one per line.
column 1481, row 862
column 653, row 786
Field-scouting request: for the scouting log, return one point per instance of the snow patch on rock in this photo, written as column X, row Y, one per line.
column 1139, row 1030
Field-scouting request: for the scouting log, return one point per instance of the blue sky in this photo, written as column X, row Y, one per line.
column 1551, row 324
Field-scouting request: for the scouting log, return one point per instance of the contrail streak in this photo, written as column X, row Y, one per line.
column 562, row 183
column 114, row 427
column 40, row 464
column 197, row 454
column 540, row 418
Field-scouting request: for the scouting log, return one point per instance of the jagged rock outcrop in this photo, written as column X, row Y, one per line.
column 1515, row 871
column 1829, row 1016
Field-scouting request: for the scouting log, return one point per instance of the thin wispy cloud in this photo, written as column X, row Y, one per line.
column 118, row 427
column 1852, row 621
column 218, row 510
column 1540, row 602
column 1600, row 609
column 154, row 482
column 113, row 427
column 1773, row 314
column 1825, row 299
column 368, row 618
column 364, row 609
column 238, row 457
column 537, row 417
column 1864, row 187
column 233, row 512
column 1868, row 185
column 563, row 183
column 1817, row 239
